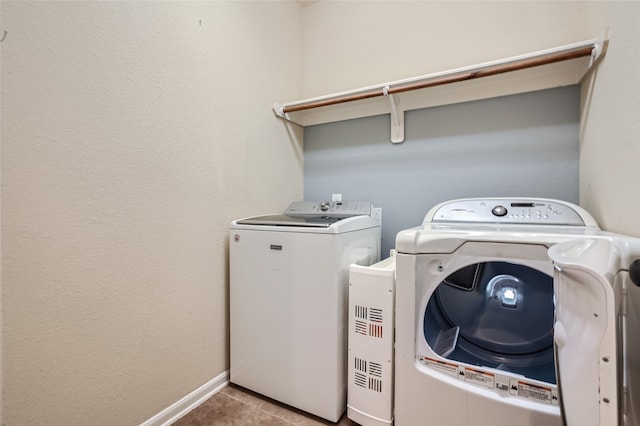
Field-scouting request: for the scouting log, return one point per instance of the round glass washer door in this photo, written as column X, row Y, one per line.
column 495, row 314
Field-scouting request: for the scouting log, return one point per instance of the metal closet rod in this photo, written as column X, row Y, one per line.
column 454, row 77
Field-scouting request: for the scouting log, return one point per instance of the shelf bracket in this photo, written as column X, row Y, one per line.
column 599, row 47
column 397, row 117
column 278, row 110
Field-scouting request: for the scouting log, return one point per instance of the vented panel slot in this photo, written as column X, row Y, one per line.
column 376, row 315
column 375, row 384
column 360, row 365
column 360, row 380
column 370, row 344
column 361, row 312
column 375, row 330
column 375, row 369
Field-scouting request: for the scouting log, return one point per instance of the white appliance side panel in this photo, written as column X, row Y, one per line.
column 628, row 306
column 631, row 403
column 370, row 353
column 288, row 314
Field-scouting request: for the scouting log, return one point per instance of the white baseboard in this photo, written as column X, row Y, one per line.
column 189, row 402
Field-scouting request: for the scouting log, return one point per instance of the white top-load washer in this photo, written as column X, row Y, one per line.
column 515, row 312
column 288, row 300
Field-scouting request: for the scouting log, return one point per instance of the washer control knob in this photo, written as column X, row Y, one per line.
column 325, row 206
column 499, row 211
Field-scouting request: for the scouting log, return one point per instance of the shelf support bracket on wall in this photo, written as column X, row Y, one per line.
column 278, row 110
column 397, row 117
column 599, row 47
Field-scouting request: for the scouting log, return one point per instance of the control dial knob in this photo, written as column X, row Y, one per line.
column 499, row 211
column 324, row 206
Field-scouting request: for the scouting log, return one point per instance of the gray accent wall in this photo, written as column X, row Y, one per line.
column 524, row 145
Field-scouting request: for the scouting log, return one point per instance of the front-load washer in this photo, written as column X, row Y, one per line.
column 514, row 312
column 288, row 300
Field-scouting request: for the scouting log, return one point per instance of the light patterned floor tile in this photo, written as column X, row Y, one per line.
column 236, row 406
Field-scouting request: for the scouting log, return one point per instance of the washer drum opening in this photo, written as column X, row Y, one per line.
column 495, row 314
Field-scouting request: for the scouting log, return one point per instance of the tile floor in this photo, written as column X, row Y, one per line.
column 236, row 406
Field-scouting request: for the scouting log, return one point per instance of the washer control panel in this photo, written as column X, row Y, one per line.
column 329, row 208
column 516, row 211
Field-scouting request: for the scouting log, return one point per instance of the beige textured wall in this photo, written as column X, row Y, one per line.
column 610, row 142
column 377, row 41
column 132, row 133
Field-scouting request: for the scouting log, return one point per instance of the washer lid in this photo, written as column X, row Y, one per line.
column 286, row 220
column 312, row 214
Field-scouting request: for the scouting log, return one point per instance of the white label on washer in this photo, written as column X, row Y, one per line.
column 535, row 392
column 447, row 368
column 502, row 383
column 479, row 377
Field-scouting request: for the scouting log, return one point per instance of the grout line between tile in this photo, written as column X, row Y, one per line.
column 259, row 407
column 262, row 401
column 276, row 416
column 252, row 409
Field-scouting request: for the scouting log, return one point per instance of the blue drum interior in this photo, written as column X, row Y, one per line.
column 495, row 314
